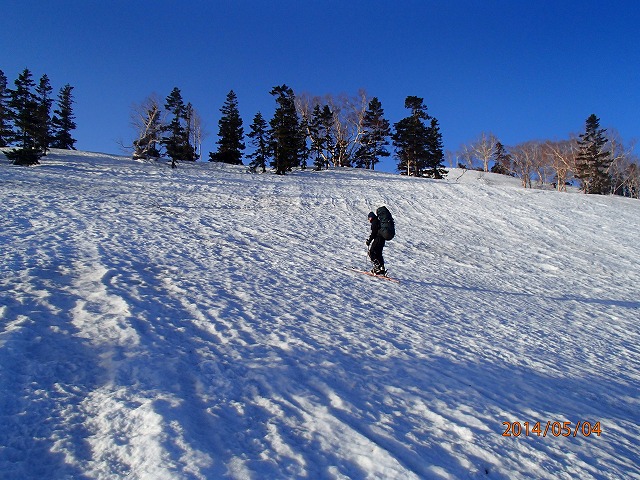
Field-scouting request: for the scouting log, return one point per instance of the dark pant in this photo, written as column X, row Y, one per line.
column 375, row 251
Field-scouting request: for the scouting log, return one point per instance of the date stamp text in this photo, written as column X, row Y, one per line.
column 551, row 429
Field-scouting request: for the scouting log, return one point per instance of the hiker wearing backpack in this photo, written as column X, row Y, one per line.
column 382, row 229
column 375, row 242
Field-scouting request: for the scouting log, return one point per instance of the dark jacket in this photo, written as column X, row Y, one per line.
column 375, row 228
column 376, row 244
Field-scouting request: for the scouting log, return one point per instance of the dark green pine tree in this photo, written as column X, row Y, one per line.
column 259, row 136
column 231, row 133
column 176, row 140
column 44, row 126
column 189, row 114
column 287, row 138
column 6, row 132
column 433, row 166
column 305, row 149
column 411, row 138
column 318, row 139
column 501, row 160
column 593, row 161
column 330, row 141
column 323, row 143
column 62, row 122
column 377, row 130
column 173, row 139
column 24, row 111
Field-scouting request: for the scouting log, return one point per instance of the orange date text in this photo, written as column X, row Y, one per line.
column 551, row 429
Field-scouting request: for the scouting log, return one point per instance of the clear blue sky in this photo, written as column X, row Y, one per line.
column 521, row 69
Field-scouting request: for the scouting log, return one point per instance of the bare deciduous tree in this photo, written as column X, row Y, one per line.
column 525, row 156
column 451, row 158
column 483, row 148
column 197, row 132
column 562, row 155
column 624, row 166
column 347, row 125
column 543, row 166
column 148, row 119
column 480, row 151
column 633, row 178
column 466, row 157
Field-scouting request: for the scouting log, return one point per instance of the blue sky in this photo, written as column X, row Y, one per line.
column 520, row 69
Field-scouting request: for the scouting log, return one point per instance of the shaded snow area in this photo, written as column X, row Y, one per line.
column 201, row 323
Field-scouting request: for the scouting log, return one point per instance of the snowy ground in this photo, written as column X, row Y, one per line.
column 200, row 324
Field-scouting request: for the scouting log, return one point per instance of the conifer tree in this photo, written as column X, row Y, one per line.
column 419, row 145
column 176, row 135
column 502, row 160
column 6, row 132
column 377, row 130
column 593, row 161
column 318, row 139
column 323, row 142
column 410, row 137
column 433, row 166
column 305, row 150
column 231, row 133
column 62, row 122
column 287, row 139
column 44, row 124
column 330, row 140
column 24, row 111
column 259, row 136
column 176, row 142
column 188, row 125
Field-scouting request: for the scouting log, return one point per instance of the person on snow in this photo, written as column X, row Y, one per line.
column 375, row 242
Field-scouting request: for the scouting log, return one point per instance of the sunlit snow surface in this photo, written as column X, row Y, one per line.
column 201, row 323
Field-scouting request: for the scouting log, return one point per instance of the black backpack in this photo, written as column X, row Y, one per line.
column 387, row 227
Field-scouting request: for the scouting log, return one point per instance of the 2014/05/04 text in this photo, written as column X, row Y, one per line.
column 555, row 429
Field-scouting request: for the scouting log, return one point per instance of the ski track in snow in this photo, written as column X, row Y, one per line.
column 200, row 324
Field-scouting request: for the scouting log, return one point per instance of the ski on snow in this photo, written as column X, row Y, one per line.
column 364, row 272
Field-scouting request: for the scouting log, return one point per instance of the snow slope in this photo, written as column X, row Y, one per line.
column 200, row 324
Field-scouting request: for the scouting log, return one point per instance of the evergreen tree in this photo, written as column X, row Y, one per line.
column 62, row 122
column 188, row 126
column 502, row 160
column 259, row 136
column 377, row 130
column 411, row 137
column 418, row 144
column 231, row 133
column 305, row 150
column 433, row 166
column 287, row 138
column 323, row 143
column 24, row 111
column 176, row 135
column 318, row 140
column 593, row 161
column 6, row 132
column 176, row 142
column 44, row 125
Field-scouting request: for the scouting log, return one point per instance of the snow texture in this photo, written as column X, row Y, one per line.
column 201, row 323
